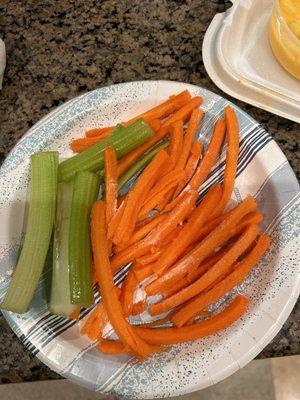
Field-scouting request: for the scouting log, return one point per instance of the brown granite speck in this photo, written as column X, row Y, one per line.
column 59, row 49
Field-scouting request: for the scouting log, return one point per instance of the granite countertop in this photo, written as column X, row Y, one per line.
column 57, row 50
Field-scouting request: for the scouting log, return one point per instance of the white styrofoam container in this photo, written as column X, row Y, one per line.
column 238, row 58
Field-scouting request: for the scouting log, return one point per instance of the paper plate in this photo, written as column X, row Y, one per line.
column 272, row 287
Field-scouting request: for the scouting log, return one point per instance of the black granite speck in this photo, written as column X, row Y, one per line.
column 57, row 50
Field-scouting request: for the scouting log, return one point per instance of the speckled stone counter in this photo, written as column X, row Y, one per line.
column 57, row 50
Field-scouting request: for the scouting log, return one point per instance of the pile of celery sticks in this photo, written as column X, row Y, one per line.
column 60, row 199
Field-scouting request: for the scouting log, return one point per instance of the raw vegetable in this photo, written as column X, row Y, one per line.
column 92, row 159
column 167, row 336
column 111, row 182
column 140, row 164
column 237, row 276
column 60, row 301
column 110, row 299
column 137, row 196
column 85, row 192
column 222, row 267
column 42, row 201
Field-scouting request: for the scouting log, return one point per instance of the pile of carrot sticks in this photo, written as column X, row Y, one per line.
column 189, row 252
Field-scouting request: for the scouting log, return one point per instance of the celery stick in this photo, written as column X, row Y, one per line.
column 92, row 159
column 42, row 200
column 60, row 300
column 85, row 192
column 141, row 163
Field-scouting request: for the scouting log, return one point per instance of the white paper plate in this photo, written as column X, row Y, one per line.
column 238, row 58
column 273, row 286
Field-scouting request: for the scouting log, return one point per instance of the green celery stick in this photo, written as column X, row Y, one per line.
column 60, row 300
column 140, row 164
column 85, row 192
column 42, row 200
column 92, row 159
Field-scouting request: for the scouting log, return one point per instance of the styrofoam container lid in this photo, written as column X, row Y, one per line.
column 238, row 58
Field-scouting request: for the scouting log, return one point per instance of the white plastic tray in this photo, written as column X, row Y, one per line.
column 239, row 59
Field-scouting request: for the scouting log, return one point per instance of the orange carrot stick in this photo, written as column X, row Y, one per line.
column 139, row 308
column 156, row 198
column 99, row 131
column 206, row 164
column 168, row 336
column 112, row 347
column 144, row 272
column 79, row 145
column 154, row 124
column 166, row 108
column 128, row 289
column 194, row 122
column 142, row 231
column 200, row 215
column 176, row 141
column 215, row 239
column 232, row 153
column 192, row 275
column 193, row 307
column 172, row 176
column 173, row 219
column 94, row 325
column 137, row 195
column 105, row 278
column 111, row 182
column 191, row 166
column 75, row 314
column 182, row 114
column 114, row 222
column 223, row 266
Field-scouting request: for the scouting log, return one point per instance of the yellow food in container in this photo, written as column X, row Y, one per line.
column 284, row 34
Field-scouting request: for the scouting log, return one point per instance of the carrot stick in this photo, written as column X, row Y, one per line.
column 114, row 222
column 94, row 325
column 79, row 145
column 156, row 198
column 149, row 257
column 182, row 114
column 112, row 347
column 168, row 336
column 127, row 292
column 110, row 298
column 136, row 197
column 200, row 215
column 215, row 239
column 173, row 176
column 111, row 182
column 142, row 231
column 206, row 164
column 232, row 153
column 193, row 274
column 99, row 131
column 166, row 108
column 75, row 314
column 144, row 272
column 139, row 308
column 194, row 122
column 223, row 266
column 173, row 219
column 154, row 124
column 202, row 301
column 191, row 165
column 176, row 141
